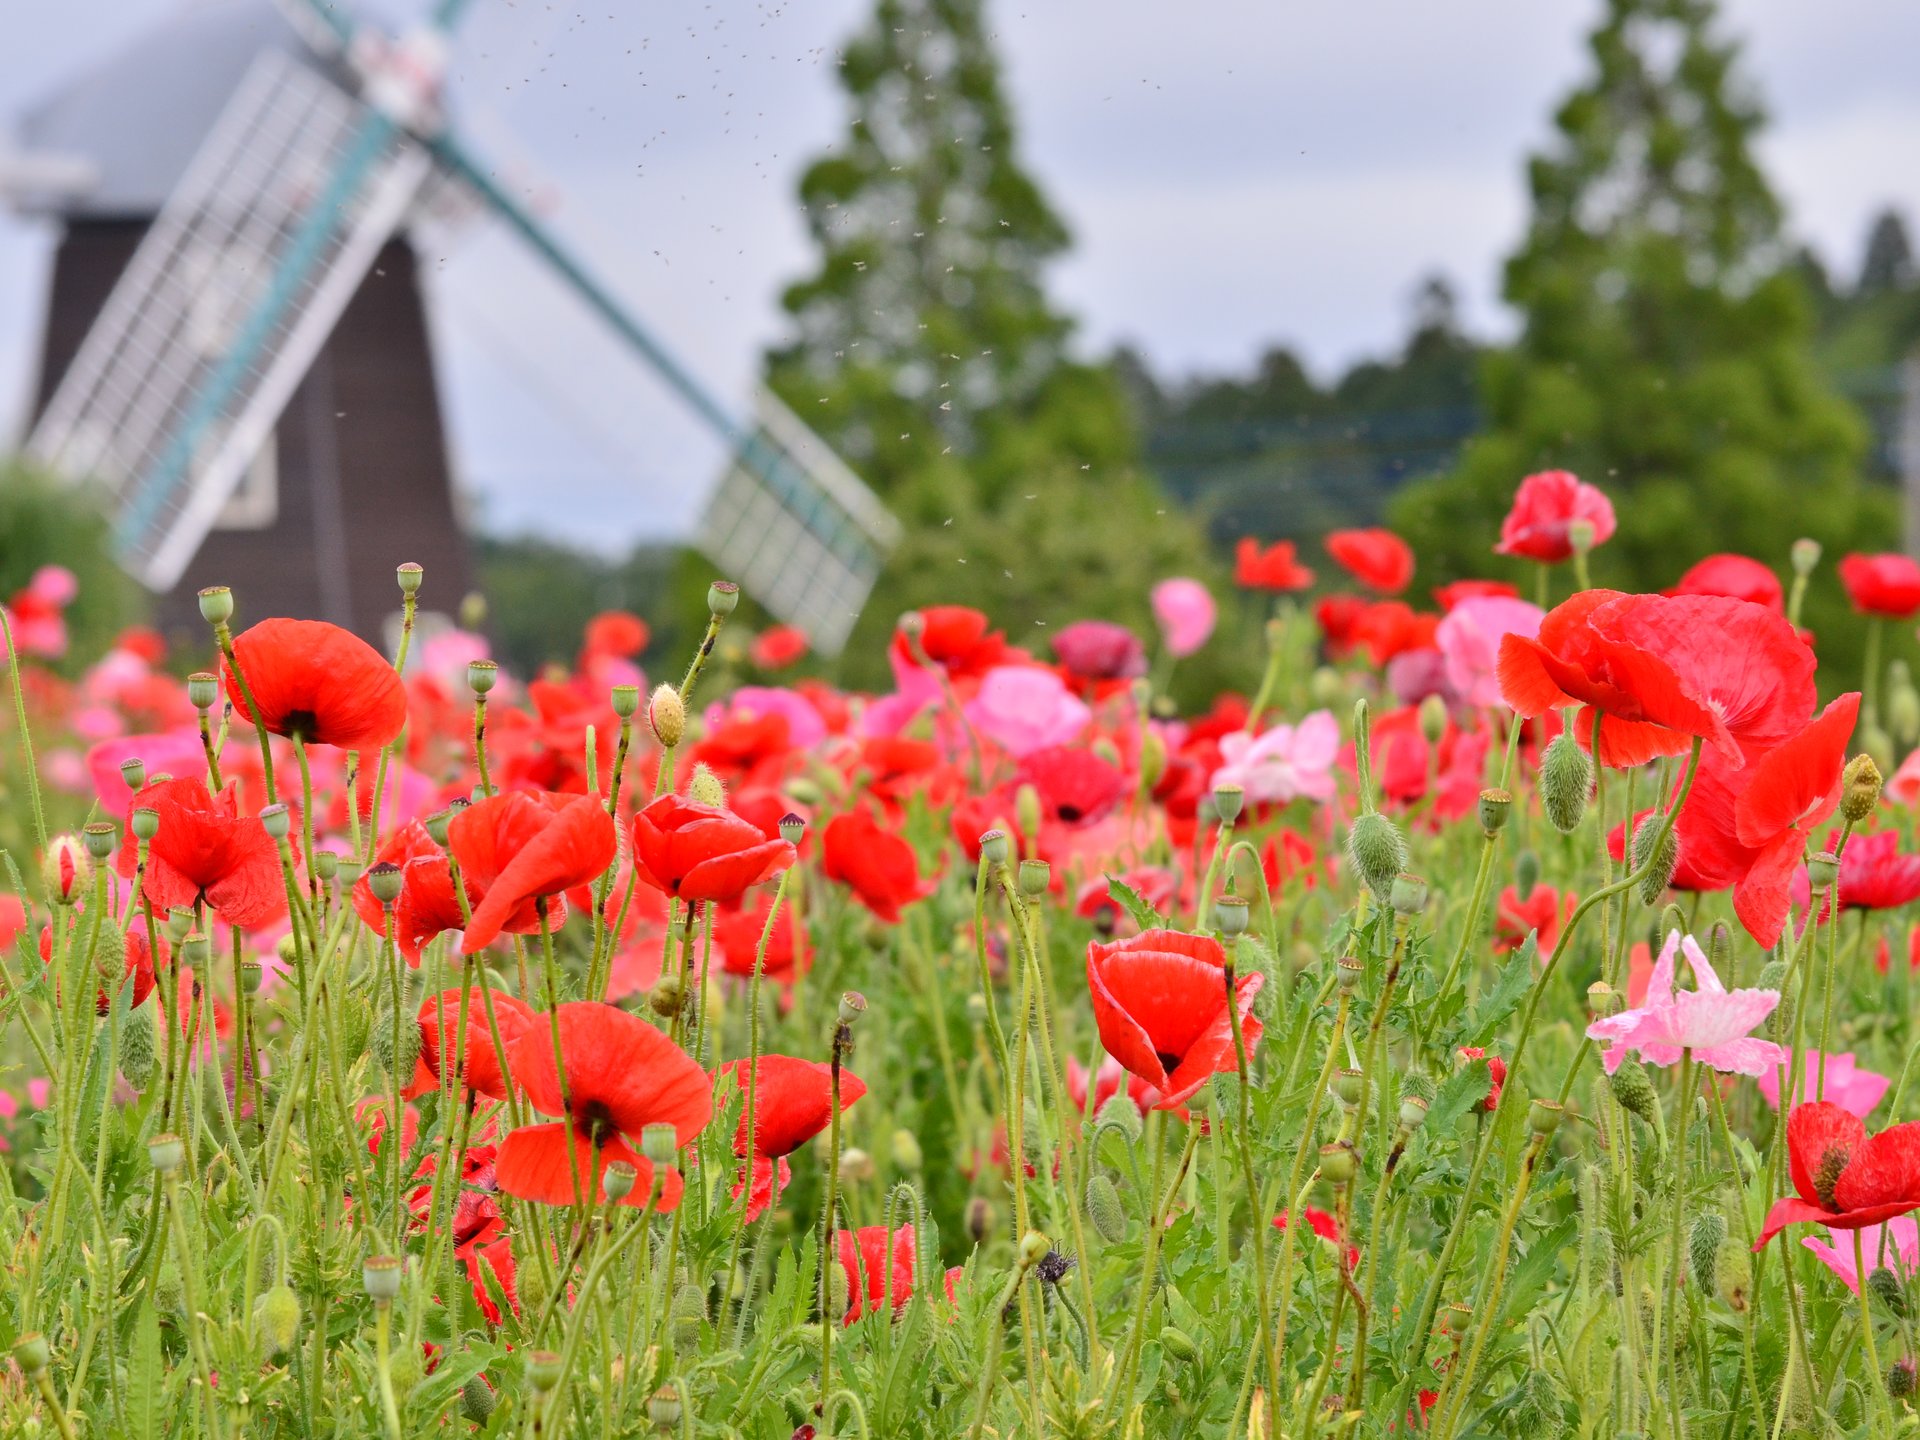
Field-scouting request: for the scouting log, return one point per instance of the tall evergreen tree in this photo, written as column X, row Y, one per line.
column 1666, row 350
column 926, row 352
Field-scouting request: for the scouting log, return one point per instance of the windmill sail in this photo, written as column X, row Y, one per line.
column 224, row 306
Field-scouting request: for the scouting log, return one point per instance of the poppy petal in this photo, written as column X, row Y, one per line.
column 1813, row 1130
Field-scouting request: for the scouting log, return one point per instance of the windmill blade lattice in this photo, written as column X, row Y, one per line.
column 224, row 306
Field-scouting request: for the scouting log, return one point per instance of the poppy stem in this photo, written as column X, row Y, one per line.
column 223, row 639
column 1284, row 1290
column 32, row 770
column 751, row 1117
column 1255, row 1221
column 1875, row 1384
column 480, row 742
column 829, row 1251
column 996, row 1330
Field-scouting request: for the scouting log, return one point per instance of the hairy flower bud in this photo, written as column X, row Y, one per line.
column 666, row 997
column 1433, row 719
column 1526, row 872
column 276, row 1319
column 1860, row 791
column 1656, row 849
column 1901, row 1377
column 1178, row 1345
column 1109, row 1216
column 1378, row 851
column 1885, row 1287
column 667, row 715
column 1703, row 1248
column 1566, row 780
column 1120, row 1113
column 477, row 1399
column 706, row 788
column 138, row 1047
column 66, row 869
column 32, row 1353
column 1635, row 1091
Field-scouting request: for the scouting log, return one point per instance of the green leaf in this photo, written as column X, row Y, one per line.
column 145, row 1376
column 1459, row 1093
column 1505, row 996
column 1135, row 904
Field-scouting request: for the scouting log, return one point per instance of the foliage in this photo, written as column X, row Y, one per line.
column 42, row 523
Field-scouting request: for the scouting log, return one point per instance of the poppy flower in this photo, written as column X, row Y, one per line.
column 1327, row 1228
column 1540, row 913
column 957, row 638
column 1378, row 559
column 868, row 1256
column 778, row 646
column 876, row 864
column 1874, row 875
column 13, row 920
column 737, row 934
column 1449, row 596
column 1496, row 1074
column 763, row 1192
column 1847, row 1085
column 1100, row 650
column 440, row 1030
column 1738, row 577
column 1289, row 858
column 1159, row 1000
column 1075, row 785
column 1895, row 1245
column 532, row 849
column 427, row 906
column 621, row 1076
column 1539, row 524
column 1469, row 639
column 1185, row 612
column 703, row 852
column 616, row 633
column 1845, row 1179
column 1713, row 1022
column 139, row 966
column 318, row 683
column 205, row 849
column 1023, row 708
column 1884, row 585
column 1273, row 568
column 1392, row 628
column 1284, row 763
column 792, row 1102
column 1111, row 1079
column 1338, row 617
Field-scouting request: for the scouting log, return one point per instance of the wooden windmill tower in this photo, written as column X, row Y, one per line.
column 236, row 351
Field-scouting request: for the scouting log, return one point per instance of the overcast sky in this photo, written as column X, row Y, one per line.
column 1235, row 173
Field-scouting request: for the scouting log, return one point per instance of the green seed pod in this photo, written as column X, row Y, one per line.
column 1120, row 1113
column 1634, row 1091
column 1109, row 1216
column 689, row 1314
column 1378, row 851
column 1566, row 780
column 1703, row 1248
column 394, row 1048
column 276, row 1320
column 169, row 1296
column 476, row 1399
column 1885, row 1287
column 1417, row 1085
column 137, row 1047
column 1539, row 1408
column 1664, row 856
column 1179, row 1345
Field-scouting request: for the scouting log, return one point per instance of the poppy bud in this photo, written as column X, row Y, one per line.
column 1227, row 802
column 1804, row 555
column 617, row 1180
column 1026, row 810
column 1433, row 719
column 792, row 828
column 1033, row 1249
column 857, row 1167
column 1338, row 1162
column 32, row 1353
column 1120, row 1113
column 395, row 1054
column 1408, row 895
column 1543, row 1117
column 723, row 598
column 165, row 1152
column 994, row 847
column 1348, row 1086
column 476, row 1399
column 1885, row 1287
column 706, row 788
column 1656, row 841
column 1634, row 1091
column 979, row 1218
column 276, row 1320
column 667, row 715
column 1109, row 1216
column 1495, row 806
column 1823, row 869
column 625, row 700
column 1526, row 873
column 1153, row 758
column 1035, row 875
column 216, row 604
column 1378, row 851
column 543, row 1370
column 1230, row 915
column 1566, row 780
column 688, row 1314
column 1861, row 792
column 65, row 869
column 663, row 1408
column 1348, row 972
column 666, row 997
column 1703, row 1247
column 385, row 881
column 852, row 1006
column 1901, row 1376
column 1720, row 949
column 660, row 1144
column 1178, row 1345
column 145, row 823
column 137, row 1047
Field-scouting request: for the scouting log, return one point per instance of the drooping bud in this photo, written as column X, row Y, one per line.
column 706, row 788
column 1178, row 1345
column 1035, row 876
column 1901, row 1378
column 1860, row 789
column 1526, row 873
column 1104, row 1208
column 477, row 1399
column 276, row 1317
column 1720, row 951
column 667, row 716
column 1885, row 1287
column 1120, row 1113
column 1804, row 555
column 1378, row 851
column 216, row 604
column 1703, row 1247
column 1408, row 895
column 666, row 997
column 1433, row 719
column 1656, row 849
column 1635, row 1091
column 1566, row 780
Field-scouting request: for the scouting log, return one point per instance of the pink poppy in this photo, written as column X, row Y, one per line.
column 1285, row 763
column 1854, row 1090
column 1469, row 637
column 1023, row 708
column 1712, row 1021
column 1895, row 1245
column 1185, row 612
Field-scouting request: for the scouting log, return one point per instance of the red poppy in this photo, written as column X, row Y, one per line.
column 440, row 1030
column 1108, row 1082
column 762, row 1196
column 1378, row 559
column 1735, row 576
column 1686, row 876
column 13, row 920
column 1152, row 883
column 1099, row 650
column 622, row 1075
column 1887, row 585
column 1545, row 506
column 1327, row 1228
column 616, row 633
column 205, row 849
column 427, row 906
column 1403, row 763
column 1392, row 628
column 532, row 848
column 1448, row 596
column 1514, row 919
column 1496, row 1074
column 778, row 646
column 1846, row 1178
column 957, row 639
column 494, row 1251
column 792, row 1100
column 1874, row 875
column 702, row 852
column 876, row 864
column 318, row 683
column 1338, row 616
column 139, row 965
column 1159, row 999
column 1289, row 858
column 868, row 1256
column 1273, row 568
column 1075, row 785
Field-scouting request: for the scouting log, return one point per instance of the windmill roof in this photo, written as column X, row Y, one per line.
column 137, row 116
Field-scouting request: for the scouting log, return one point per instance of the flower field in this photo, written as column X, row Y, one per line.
column 1496, row 1019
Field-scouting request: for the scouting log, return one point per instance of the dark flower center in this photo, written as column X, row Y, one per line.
column 301, row 725
column 1826, row 1175
column 1168, row 1063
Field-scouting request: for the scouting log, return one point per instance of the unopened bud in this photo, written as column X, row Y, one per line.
column 1153, row 758
column 1860, row 791
column 706, row 788
column 1804, row 555
column 1703, row 1247
column 1635, row 1091
column 1901, row 1377
column 1526, row 873
column 1109, row 1216
column 1433, row 719
column 1884, row 1285
column 66, row 869
column 277, row 1319
column 1027, row 812
column 1178, row 1345
column 1378, row 851
column 1656, row 850
column 477, row 1399
column 32, row 1353
column 979, row 1218
column 666, row 997
column 216, row 604
column 667, row 716
column 1120, row 1113
column 1566, row 780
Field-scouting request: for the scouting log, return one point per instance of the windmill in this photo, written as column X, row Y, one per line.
column 331, row 141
